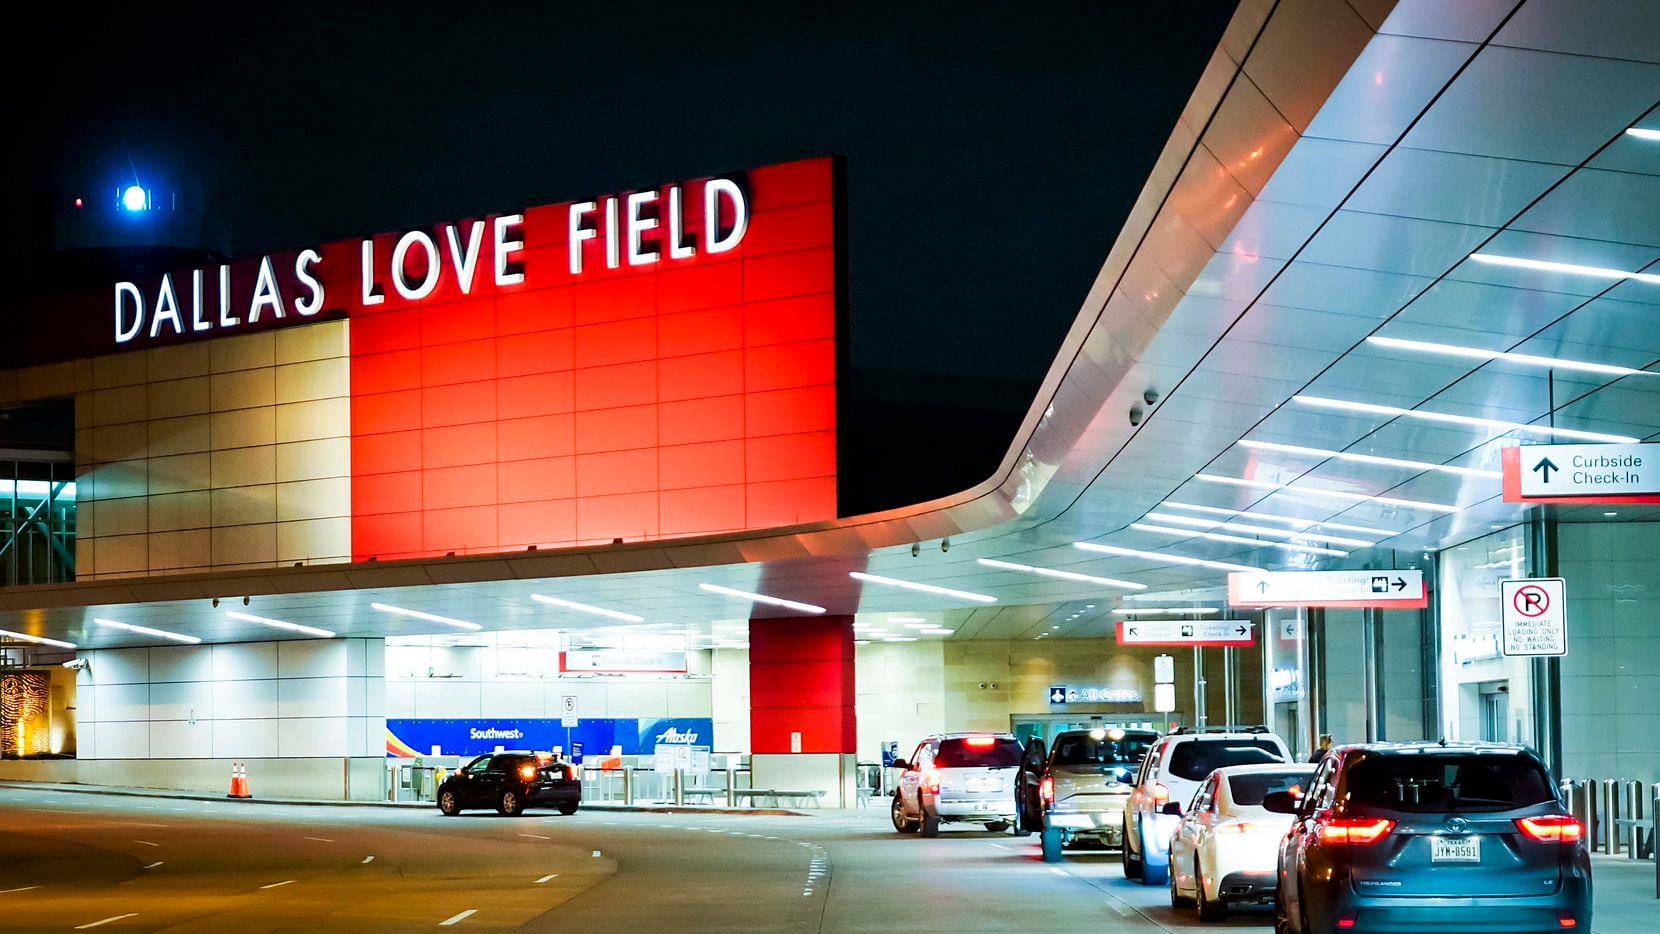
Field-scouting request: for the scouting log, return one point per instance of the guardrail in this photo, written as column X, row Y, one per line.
column 1619, row 816
column 631, row 785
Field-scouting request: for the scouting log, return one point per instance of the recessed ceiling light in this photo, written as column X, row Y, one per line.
column 1061, row 575
column 1610, row 514
column 1235, row 539
column 938, row 631
column 1231, row 526
column 39, row 640
column 1472, row 353
column 1468, row 420
column 1642, row 133
column 586, row 608
column 147, row 631
column 922, row 588
column 1356, row 458
column 1329, row 494
column 1288, row 520
column 763, row 598
column 919, row 625
column 907, row 619
column 1572, row 269
column 900, row 639
column 429, row 617
column 1161, row 556
column 280, row 624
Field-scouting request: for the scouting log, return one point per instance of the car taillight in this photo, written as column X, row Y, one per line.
column 980, row 742
column 931, row 781
column 1551, row 828
column 1161, row 794
column 1046, row 790
column 1360, row 831
column 1235, row 826
column 527, row 772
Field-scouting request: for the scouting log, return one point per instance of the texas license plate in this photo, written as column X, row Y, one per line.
column 985, row 784
column 1455, row 849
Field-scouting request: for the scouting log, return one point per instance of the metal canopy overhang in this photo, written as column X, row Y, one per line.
column 1328, row 182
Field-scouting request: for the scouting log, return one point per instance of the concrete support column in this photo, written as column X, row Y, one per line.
column 802, row 731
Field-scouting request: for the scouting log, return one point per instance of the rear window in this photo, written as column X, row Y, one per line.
column 1081, row 749
column 1197, row 758
column 975, row 753
column 1249, row 789
column 1440, row 783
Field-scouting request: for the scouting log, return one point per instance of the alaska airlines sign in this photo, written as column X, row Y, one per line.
column 668, row 225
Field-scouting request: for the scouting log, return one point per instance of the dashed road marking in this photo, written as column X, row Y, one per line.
column 1058, row 872
column 275, row 885
column 24, row 888
column 596, row 854
column 551, row 875
column 535, row 836
column 367, row 860
column 1124, row 911
column 457, row 919
column 146, row 843
column 93, row 924
column 154, row 864
column 320, row 839
column 999, row 846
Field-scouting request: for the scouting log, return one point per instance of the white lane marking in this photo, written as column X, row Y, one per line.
column 367, row 860
column 22, row 889
column 133, row 823
column 596, row 854
column 535, row 836
column 154, row 864
column 319, row 839
column 146, row 843
column 457, row 919
column 277, row 884
column 551, row 875
column 999, row 846
column 1058, row 872
column 1124, row 911
column 93, row 924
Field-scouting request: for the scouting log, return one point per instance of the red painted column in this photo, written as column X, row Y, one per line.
column 801, row 681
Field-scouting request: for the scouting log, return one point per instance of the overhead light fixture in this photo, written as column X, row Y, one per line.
column 1236, row 539
column 907, row 619
column 1469, row 420
column 1162, row 556
column 919, row 625
column 1270, row 517
column 1329, row 494
column 1642, row 133
column 147, row 631
column 1367, row 458
column 1572, row 269
column 900, row 639
column 280, row 624
column 38, row 640
column 429, row 617
column 938, row 631
column 861, row 641
column 1526, row 359
column 586, row 608
column 1061, row 575
column 1228, row 525
column 763, row 598
column 1150, row 610
column 922, row 588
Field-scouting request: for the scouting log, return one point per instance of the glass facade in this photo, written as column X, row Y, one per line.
column 37, row 543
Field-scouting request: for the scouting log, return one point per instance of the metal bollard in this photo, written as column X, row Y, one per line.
column 1631, row 808
column 628, row 784
column 679, row 788
column 1654, row 839
column 1610, row 817
column 731, row 787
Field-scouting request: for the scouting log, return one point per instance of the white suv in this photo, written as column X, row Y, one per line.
column 1169, row 775
column 965, row 777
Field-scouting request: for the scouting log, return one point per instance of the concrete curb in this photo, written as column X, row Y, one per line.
column 405, row 805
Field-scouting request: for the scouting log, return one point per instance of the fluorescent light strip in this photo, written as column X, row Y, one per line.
column 1368, row 458
column 1472, row 353
column 1641, row 133
column 1231, row 526
column 280, row 624
column 429, row 617
column 147, row 631
column 1162, row 556
column 919, row 625
column 1320, row 402
column 586, row 608
column 1236, row 539
column 1062, row 575
column 1289, row 520
column 1332, row 494
column 907, row 619
column 938, row 631
column 1572, row 269
column 763, row 598
column 1138, row 610
column 39, row 640
column 922, row 588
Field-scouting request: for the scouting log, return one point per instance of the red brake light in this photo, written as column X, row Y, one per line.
column 1550, row 828
column 980, row 742
column 1046, row 790
column 1360, row 831
column 1161, row 794
column 931, row 781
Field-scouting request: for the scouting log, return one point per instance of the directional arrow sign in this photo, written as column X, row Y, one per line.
column 1392, row 589
column 1233, row 632
column 1582, row 473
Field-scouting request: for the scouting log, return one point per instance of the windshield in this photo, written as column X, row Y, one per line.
column 1440, row 783
column 977, row 753
column 1250, row 788
column 1119, row 756
column 1197, row 758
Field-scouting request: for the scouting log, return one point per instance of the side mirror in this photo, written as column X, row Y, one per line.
column 1282, row 802
column 901, row 765
column 1172, row 808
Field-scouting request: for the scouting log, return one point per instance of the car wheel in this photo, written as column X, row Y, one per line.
column 1177, row 899
column 510, row 804
column 1208, row 910
column 448, row 804
column 900, row 822
column 1282, row 923
column 567, row 808
column 1019, row 830
column 1152, row 874
column 997, row 826
column 1132, row 864
column 1052, row 844
column 930, row 825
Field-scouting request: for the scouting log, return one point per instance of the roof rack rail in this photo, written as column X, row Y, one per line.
column 1234, row 728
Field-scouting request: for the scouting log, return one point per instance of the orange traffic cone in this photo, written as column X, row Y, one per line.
column 239, row 782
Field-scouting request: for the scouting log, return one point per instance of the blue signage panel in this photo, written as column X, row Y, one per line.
column 470, row 737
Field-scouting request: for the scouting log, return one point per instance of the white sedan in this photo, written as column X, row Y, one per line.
column 1227, row 844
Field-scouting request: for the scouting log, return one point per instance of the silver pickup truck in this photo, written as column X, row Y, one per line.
column 1076, row 793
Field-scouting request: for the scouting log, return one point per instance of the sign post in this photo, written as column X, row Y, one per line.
column 1535, row 617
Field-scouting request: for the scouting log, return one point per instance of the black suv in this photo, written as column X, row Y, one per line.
column 511, row 782
column 1431, row 837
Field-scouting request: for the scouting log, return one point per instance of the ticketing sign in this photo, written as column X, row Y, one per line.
column 1210, row 632
column 1582, row 473
column 1394, row 589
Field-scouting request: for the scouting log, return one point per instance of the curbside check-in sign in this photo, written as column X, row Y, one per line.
column 1535, row 616
column 1582, row 473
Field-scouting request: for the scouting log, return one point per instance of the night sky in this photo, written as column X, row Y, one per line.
column 992, row 151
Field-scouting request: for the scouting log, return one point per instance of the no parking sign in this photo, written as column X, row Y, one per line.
column 1535, row 616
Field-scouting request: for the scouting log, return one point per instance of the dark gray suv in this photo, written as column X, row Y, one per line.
column 1428, row 837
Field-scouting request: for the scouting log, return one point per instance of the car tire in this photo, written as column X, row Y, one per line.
column 1177, row 899
column 1132, row 864
column 567, row 808
column 1208, row 910
column 510, row 804
column 930, row 825
column 997, row 826
column 448, row 804
column 1019, row 829
column 901, row 823
column 1052, row 844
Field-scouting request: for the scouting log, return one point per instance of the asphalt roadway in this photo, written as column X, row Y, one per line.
column 73, row 861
